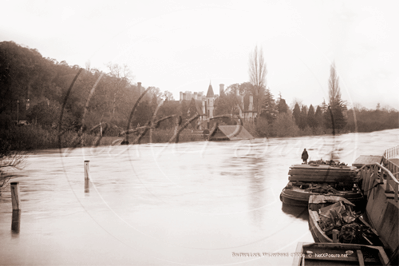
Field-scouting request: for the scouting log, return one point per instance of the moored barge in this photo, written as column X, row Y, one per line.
column 321, row 178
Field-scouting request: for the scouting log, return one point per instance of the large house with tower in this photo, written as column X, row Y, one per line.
column 204, row 105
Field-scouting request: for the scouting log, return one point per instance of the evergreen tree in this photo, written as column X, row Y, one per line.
column 318, row 117
column 282, row 106
column 284, row 126
column 311, row 119
column 323, row 106
column 303, row 117
column 269, row 109
column 297, row 114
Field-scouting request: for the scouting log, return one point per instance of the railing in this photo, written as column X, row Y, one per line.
column 391, row 152
column 374, row 174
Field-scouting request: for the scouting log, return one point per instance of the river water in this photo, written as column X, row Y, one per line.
column 198, row 203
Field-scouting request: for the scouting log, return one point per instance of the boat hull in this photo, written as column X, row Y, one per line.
column 300, row 197
column 318, row 235
column 322, row 173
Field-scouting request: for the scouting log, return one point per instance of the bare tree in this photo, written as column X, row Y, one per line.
column 9, row 159
column 167, row 95
column 257, row 74
column 334, row 91
column 335, row 118
column 122, row 75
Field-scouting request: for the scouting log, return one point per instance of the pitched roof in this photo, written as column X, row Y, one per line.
column 210, row 91
column 226, row 132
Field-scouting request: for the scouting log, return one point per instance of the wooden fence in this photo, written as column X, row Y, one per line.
column 374, row 174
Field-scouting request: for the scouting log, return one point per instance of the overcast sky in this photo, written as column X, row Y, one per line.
column 185, row 45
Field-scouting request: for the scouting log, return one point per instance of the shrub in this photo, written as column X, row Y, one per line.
column 262, row 127
column 307, row 131
column 251, row 128
column 284, row 126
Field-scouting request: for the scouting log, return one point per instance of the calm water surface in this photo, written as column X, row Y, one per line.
column 195, row 203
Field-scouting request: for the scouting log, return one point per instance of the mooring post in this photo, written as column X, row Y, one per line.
column 16, row 211
column 15, row 196
column 87, row 176
column 87, row 169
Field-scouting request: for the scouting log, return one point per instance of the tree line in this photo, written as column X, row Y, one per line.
column 33, row 88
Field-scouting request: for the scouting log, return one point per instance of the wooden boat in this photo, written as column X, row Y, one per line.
column 323, row 172
column 329, row 213
column 321, row 177
column 338, row 254
column 298, row 193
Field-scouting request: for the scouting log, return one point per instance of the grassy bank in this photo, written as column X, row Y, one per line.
column 33, row 137
column 36, row 137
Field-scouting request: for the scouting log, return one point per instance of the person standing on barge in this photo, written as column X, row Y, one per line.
column 305, row 156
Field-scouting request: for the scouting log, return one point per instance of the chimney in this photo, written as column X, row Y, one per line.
column 181, row 96
column 184, row 96
column 221, row 89
column 195, row 96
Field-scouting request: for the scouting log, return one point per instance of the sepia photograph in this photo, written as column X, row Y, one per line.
column 171, row 132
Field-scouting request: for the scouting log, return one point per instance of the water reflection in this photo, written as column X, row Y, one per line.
column 87, row 185
column 16, row 221
column 296, row 212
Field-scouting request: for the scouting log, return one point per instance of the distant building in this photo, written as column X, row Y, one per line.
column 204, row 105
column 247, row 107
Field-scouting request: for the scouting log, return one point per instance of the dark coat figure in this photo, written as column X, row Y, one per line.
column 305, row 156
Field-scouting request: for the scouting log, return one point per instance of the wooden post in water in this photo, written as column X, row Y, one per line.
column 15, row 196
column 16, row 211
column 87, row 179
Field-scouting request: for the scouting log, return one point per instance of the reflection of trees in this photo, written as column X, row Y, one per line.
column 257, row 190
column 251, row 168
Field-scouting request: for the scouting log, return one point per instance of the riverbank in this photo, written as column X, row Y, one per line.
column 34, row 137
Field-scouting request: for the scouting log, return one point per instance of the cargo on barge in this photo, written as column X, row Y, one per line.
column 321, row 178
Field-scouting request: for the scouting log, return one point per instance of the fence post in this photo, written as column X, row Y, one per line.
column 87, row 179
column 15, row 195
column 87, row 169
column 16, row 210
column 387, row 189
